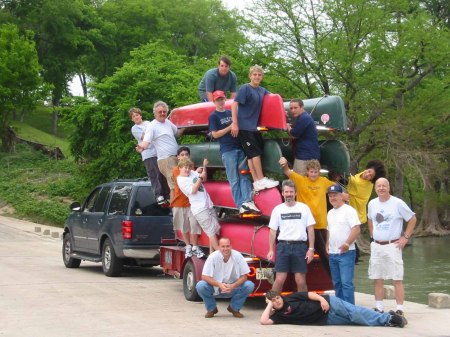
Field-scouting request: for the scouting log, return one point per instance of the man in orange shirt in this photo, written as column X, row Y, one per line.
column 312, row 190
column 183, row 219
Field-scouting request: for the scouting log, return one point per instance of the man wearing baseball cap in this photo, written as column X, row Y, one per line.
column 343, row 229
column 233, row 156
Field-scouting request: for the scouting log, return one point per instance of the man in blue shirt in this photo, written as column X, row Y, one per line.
column 245, row 112
column 220, row 78
column 304, row 132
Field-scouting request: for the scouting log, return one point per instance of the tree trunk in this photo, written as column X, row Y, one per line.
column 83, row 82
column 398, row 182
column 430, row 224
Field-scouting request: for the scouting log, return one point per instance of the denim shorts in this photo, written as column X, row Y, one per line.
column 291, row 258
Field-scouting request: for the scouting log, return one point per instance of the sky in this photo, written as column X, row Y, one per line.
column 75, row 86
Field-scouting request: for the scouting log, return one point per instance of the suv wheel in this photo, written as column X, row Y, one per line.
column 69, row 261
column 112, row 265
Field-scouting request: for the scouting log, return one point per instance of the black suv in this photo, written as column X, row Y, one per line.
column 120, row 223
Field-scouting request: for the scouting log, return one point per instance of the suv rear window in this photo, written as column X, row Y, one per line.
column 119, row 200
column 145, row 203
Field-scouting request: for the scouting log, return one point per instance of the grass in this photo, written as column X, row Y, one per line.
column 37, row 188
column 33, row 186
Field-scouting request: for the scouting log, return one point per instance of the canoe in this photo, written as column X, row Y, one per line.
column 194, row 117
column 328, row 112
column 334, row 155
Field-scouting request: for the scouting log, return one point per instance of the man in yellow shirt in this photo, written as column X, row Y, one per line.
column 312, row 190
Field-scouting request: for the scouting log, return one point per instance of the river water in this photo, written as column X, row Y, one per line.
column 427, row 269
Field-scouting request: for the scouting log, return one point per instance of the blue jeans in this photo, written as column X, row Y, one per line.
column 344, row 313
column 342, row 267
column 241, row 186
column 238, row 295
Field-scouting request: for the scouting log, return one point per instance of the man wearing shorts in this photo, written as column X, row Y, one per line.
column 295, row 247
column 162, row 133
column 385, row 221
column 245, row 112
column 190, row 183
column 183, row 219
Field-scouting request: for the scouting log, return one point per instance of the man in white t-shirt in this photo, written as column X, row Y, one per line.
column 296, row 223
column 224, row 275
column 162, row 134
column 159, row 182
column 385, row 221
column 343, row 229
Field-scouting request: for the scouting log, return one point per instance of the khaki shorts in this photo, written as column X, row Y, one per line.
column 166, row 166
column 386, row 262
column 208, row 221
column 184, row 221
column 300, row 166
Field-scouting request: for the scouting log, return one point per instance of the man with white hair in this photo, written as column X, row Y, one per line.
column 385, row 221
column 162, row 134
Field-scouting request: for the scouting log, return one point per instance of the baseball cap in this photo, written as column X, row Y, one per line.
column 335, row 189
column 218, row 94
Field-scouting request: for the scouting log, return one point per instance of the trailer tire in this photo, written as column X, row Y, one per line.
column 189, row 282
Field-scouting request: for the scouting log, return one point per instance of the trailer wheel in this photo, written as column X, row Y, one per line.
column 189, row 282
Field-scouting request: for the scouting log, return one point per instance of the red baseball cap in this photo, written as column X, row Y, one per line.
column 218, row 94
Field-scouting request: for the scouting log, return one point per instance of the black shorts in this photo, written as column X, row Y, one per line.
column 252, row 143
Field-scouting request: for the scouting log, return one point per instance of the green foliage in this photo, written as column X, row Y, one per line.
column 102, row 134
column 19, row 76
column 39, row 188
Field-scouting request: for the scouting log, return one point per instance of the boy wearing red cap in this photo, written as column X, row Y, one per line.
column 233, row 156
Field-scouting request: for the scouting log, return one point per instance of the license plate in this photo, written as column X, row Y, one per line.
column 263, row 273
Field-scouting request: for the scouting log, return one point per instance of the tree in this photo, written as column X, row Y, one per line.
column 377, row 55
column 101, row 136
column 61, row 33
column 19, row 76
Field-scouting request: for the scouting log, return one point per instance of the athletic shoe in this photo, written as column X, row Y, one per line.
column 161, row 200
column 399, row 313
column 198, row 252
column 396, row 320
column 378, row 310
column 264, row 183
column 249, row 207
column 188, row 251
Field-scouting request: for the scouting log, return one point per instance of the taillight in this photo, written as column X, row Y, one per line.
column 252, row 272
column 127, row 229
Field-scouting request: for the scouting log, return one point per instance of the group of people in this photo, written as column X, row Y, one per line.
column 300, row 226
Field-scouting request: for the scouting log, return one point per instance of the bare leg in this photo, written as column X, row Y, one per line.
column 279, row 282
column 300, row 279
column 379, row 289
column 213, row 243
column 194, row 239
column 399, row 291
column 257, row 166
column 252, row 169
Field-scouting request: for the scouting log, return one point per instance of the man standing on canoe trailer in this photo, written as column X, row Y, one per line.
column 232, row 155
column 304, row 132
column 162, row 133
column 245, row 112
column 220, row 78
column 159, row 182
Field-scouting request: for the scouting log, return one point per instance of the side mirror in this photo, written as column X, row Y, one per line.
column 75, row 206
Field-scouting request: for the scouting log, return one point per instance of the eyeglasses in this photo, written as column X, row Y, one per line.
column 162, row 112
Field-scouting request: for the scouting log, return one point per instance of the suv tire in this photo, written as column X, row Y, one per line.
column 112, row 265
column 69, row 261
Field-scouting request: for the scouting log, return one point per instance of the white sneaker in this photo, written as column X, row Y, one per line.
column 188, row 251
column 264, row 183
column 250, row 206
column 197, row 251
column 160, row 200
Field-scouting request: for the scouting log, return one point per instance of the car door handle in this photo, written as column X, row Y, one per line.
column 85, row 220
column 100, row 221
